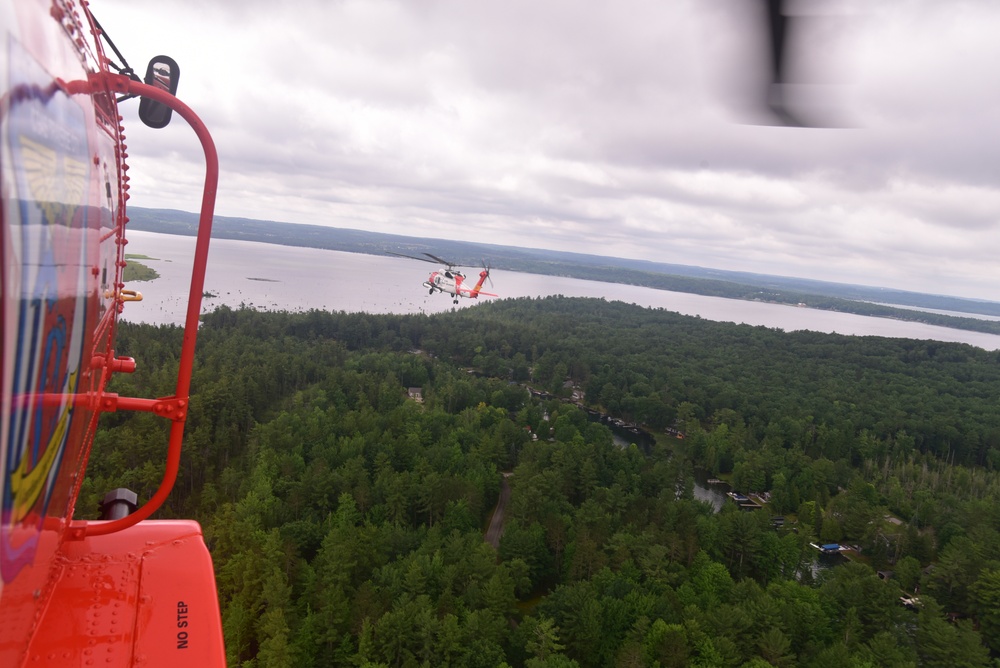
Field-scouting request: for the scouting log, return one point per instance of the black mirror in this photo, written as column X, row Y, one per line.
column 163, row 73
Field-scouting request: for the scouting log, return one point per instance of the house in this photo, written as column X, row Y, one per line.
column 416, row 393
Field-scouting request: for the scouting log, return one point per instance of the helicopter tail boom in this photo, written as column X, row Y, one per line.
column 477, row 290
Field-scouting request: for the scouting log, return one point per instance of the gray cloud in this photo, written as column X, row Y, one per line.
column 619, row 128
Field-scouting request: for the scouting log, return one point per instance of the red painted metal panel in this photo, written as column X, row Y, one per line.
column 142, row 597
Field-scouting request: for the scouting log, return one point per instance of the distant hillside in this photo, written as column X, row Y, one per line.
column 862, row 300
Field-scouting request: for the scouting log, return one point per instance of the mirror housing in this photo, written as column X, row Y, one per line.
column 163, row 73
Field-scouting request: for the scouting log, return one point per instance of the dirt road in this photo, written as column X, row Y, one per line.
column 496, row 523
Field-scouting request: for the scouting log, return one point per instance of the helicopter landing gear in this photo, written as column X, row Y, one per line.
column 431, row 291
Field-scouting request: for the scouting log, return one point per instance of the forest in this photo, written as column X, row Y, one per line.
column 346, row 518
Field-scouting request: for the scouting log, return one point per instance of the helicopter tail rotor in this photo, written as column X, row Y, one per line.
column 486, row 268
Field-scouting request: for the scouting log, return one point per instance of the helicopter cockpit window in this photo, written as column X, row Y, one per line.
column 163, row 73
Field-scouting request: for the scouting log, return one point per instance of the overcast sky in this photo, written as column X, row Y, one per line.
column 630, row 128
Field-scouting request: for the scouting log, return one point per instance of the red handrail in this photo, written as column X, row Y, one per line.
column 175, row 407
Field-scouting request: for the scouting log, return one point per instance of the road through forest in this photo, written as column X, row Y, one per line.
column 496, row 522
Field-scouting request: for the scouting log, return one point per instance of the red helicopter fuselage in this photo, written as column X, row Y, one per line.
column 129, row 590
column 453, row 283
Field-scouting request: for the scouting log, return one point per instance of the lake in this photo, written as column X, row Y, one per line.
column 292, row 278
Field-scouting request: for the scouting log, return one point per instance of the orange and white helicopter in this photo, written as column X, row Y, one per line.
column 451, row 281
column 125, row 590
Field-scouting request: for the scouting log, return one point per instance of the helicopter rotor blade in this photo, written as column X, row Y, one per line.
column 412, row 257
column 439, row 260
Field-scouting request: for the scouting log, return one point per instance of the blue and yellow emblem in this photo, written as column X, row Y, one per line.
column 46, row 150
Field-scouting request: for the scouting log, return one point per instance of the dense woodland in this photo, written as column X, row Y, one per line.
column 346, row 520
